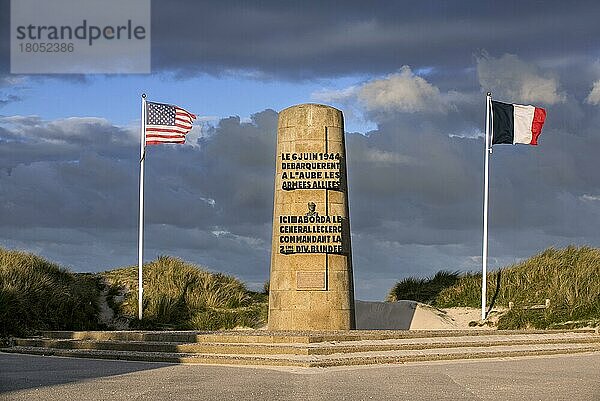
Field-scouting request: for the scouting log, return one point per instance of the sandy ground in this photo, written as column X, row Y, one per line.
column 107, row 315
column 461, row 317
column 429, row 318
column 412, row 315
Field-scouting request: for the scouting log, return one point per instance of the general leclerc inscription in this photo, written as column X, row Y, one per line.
column 311, row 285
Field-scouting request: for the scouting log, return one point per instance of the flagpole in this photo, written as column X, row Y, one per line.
column 486, row 180
column 141, row 206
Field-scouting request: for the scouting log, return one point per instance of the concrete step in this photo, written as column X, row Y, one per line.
column 322, row 348
column 306, row 349
column 359, row 358
column 263, row 336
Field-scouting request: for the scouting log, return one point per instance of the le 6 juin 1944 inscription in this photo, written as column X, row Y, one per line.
column 311, row 170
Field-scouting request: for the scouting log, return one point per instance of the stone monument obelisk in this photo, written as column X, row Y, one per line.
column 311, row 285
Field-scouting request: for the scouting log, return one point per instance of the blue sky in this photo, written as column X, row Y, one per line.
column 116, row 97
column 411, row 80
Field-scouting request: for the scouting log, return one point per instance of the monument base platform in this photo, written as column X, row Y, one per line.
column 305, row 349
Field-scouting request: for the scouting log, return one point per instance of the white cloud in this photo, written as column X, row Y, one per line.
column 514, row 80
column 21, row 120
column 402, row 91
column 594, row 96
column 13, row 81
column 589, row 198
column 384, row 157
column 335, row 95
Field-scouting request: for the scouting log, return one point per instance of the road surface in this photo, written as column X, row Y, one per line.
column 573, row 377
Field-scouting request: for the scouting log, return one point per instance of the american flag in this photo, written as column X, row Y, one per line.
column 166, row 123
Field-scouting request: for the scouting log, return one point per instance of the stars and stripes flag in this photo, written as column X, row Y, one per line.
column 167, row 123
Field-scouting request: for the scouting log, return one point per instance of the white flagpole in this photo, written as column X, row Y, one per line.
column 487, row 151
column 141, row 204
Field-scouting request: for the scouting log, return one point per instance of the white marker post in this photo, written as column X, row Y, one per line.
column 486, row 184
column 141, row 204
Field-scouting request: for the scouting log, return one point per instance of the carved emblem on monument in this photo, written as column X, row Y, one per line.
column 311, row 209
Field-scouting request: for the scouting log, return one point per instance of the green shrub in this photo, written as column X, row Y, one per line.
column 568, row 277
column 423, row 289
column 38, row 295
column 183, row 296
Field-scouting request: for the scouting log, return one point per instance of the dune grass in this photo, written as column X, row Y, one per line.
column 180, row 295
column 568, row 277
column 423, row 289
column 38, row 295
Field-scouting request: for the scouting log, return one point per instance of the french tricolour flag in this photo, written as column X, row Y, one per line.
column 515, row 123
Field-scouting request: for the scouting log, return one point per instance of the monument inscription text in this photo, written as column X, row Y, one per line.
column 310, row 234
column 311, row 280
column 310, row 170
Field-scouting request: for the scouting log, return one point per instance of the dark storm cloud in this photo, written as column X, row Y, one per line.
column 415, row 194
column 87, row 169
column 65, row 173
column 70, row 188
column 312, row 39
column 4, row 36
column 329, row 38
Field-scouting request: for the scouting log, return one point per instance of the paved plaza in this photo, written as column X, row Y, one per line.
column 571, row 377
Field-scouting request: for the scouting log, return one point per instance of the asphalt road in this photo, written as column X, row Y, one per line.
column 574, row 377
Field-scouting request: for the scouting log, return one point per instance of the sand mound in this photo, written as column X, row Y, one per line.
column 412, row 315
